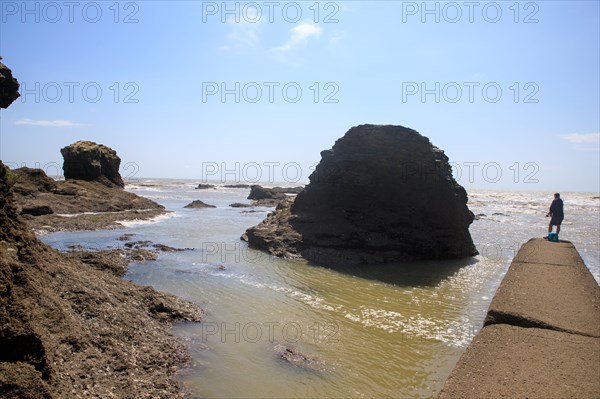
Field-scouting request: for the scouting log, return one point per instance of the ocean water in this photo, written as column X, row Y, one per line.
column 393, row 331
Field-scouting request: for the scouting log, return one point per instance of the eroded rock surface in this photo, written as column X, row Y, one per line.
column 70, row 327
column 381, row 194
column 76, row 204
column 9, row 86
column 197, row 204
column 86, row 160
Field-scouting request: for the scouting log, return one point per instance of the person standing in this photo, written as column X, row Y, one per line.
column 556, row 213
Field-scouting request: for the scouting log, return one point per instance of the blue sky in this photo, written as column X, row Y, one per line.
column 510, row 90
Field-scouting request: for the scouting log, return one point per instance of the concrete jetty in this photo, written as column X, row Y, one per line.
column 541, row 336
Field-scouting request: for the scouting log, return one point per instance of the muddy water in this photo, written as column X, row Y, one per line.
column 395, row 331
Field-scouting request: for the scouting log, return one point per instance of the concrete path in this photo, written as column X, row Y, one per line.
column 541, row 337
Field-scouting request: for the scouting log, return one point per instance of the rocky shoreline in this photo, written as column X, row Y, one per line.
column 72, row 327
column 75, row 204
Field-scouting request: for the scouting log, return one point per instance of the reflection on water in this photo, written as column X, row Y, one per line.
column 387, row 331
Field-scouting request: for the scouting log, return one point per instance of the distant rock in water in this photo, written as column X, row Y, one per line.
column 9, row 86
column 381, row 194
column 86, row 160
column 197, row 204
column 240, row 205
column 204, row 186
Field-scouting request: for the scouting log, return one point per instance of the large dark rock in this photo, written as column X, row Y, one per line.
column 9, row 86
column 381, row 194
column 86, row 160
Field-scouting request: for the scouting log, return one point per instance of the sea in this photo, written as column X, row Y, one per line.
column 386, row 331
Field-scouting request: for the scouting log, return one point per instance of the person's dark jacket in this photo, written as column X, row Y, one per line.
column 556, row 208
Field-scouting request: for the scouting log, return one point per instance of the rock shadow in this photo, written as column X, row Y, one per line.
column 427, row 273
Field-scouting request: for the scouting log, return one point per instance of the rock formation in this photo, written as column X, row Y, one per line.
column 41, row 199
column 270, row 197
column 197, row 204
column 9, row 86
column 70, row 330
column 86, row 160
column 259, row 192
column 45, row 200
column 381, row 194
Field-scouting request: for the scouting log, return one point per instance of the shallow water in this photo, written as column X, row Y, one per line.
column 396, row 331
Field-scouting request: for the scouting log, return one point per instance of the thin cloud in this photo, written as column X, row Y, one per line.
column 582, row 138
column 45, row 123
column 243, row 34
column 300, row 34
column 585, row 141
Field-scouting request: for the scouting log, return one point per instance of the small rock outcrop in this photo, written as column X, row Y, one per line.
column 197, row 204
column 259, row 193
column 271, row 197
column 381, row 194
column 9, row 86
column 298, row 359
column 240, row 205
column 202, row 186
column 86, row 160
column 278, row 193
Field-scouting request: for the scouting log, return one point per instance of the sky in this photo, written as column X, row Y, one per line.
column 248, row 91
